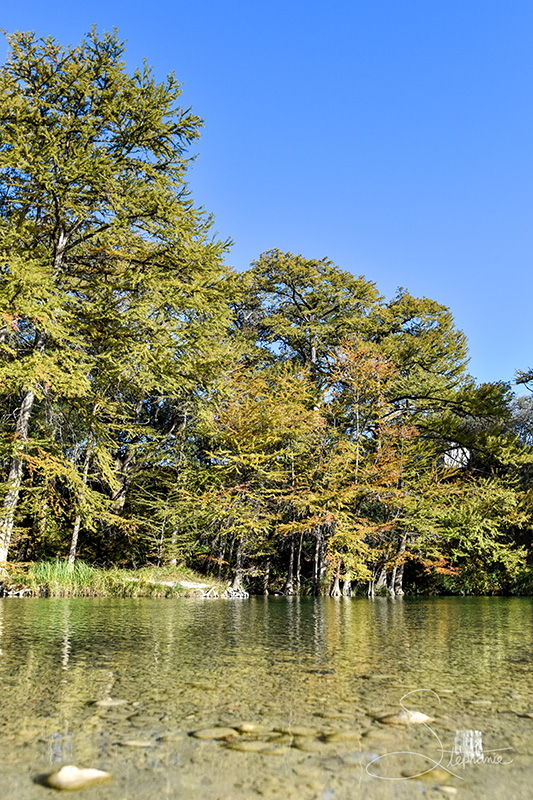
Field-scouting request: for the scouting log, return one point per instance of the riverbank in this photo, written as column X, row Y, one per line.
column 60, row 579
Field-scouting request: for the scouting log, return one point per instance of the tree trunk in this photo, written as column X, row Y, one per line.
column 398, row 585
column 397, row 579
column 77, row 521
column 381, row 581
column 14, row 478
column 221, row 551
column 236, row 584
column 322, row 564
column 173, row 543
column 299, row 565
column 347, row 586
column 318, row 567
column 335, row 589
column 9, row 506
column 287, row 588
column 266, row 577
column 123, row 466
column 315, row 564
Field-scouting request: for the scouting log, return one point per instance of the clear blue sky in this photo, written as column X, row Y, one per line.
column 393, row 136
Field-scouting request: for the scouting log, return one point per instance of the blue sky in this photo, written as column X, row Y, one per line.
column 394, row 137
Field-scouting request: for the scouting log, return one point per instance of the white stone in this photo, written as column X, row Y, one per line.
column 405, row 718
column 71, row 777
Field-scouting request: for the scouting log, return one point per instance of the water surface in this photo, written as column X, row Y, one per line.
column 179, row 666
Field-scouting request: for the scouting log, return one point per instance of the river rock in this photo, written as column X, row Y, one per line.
column 298, row 730
column 172, row 737
column 250, row 746
column 404, row 718
column 281, row 738
column 309, row 745
column 71, row 777
column 253, row 727
column 278, row 750
column 336, row 715
column 136, row 743
column 215, row 733
column 343, row 736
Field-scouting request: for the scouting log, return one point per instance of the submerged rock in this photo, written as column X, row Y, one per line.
column 136, row 743
column 310, row 745
column 405, row 718
column 71, row 777
column 277, row 750
column 215, row 733
column 251, row 746
column 253, row 727
column 172, row 737
column 342, row 736
column 433, row 775
column 281, row 738
column 336, row 715
column 298, row 730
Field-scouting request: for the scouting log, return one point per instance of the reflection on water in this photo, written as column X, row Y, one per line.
column 121, row 684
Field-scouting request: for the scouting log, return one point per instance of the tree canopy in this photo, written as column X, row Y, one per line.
column 285, row 427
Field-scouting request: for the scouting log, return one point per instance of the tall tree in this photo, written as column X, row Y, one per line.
column 106, row 265
column 307, row 307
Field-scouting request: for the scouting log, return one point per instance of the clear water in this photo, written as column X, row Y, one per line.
column 180, row 666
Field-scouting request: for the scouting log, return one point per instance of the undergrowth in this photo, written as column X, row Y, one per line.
column 61, row 579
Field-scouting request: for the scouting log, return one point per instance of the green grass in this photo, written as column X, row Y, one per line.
column 60, row 579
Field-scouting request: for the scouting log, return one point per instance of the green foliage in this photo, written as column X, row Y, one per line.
column 111, row 293
column 286, row 426
column 61, row 579
column 307, row 307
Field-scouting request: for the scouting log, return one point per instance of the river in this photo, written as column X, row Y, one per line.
column 123, row 685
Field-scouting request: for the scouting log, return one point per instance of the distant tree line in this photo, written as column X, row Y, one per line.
column 285, row 428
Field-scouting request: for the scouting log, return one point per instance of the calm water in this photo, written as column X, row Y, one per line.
column 179, row 666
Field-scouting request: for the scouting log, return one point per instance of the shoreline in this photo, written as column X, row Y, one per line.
column 60, row 579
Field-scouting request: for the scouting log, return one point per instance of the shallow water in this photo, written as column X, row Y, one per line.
column 332, row 666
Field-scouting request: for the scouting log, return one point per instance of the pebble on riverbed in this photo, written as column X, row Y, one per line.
column 342, row 736
column 253, row 727
column 215, row 733
column 142, row 743
column 404, row 718
column 432, row 775
column 251, row 746
column 298, row 730
column 71, row 777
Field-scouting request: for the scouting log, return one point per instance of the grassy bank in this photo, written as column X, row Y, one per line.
column 59, row 579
